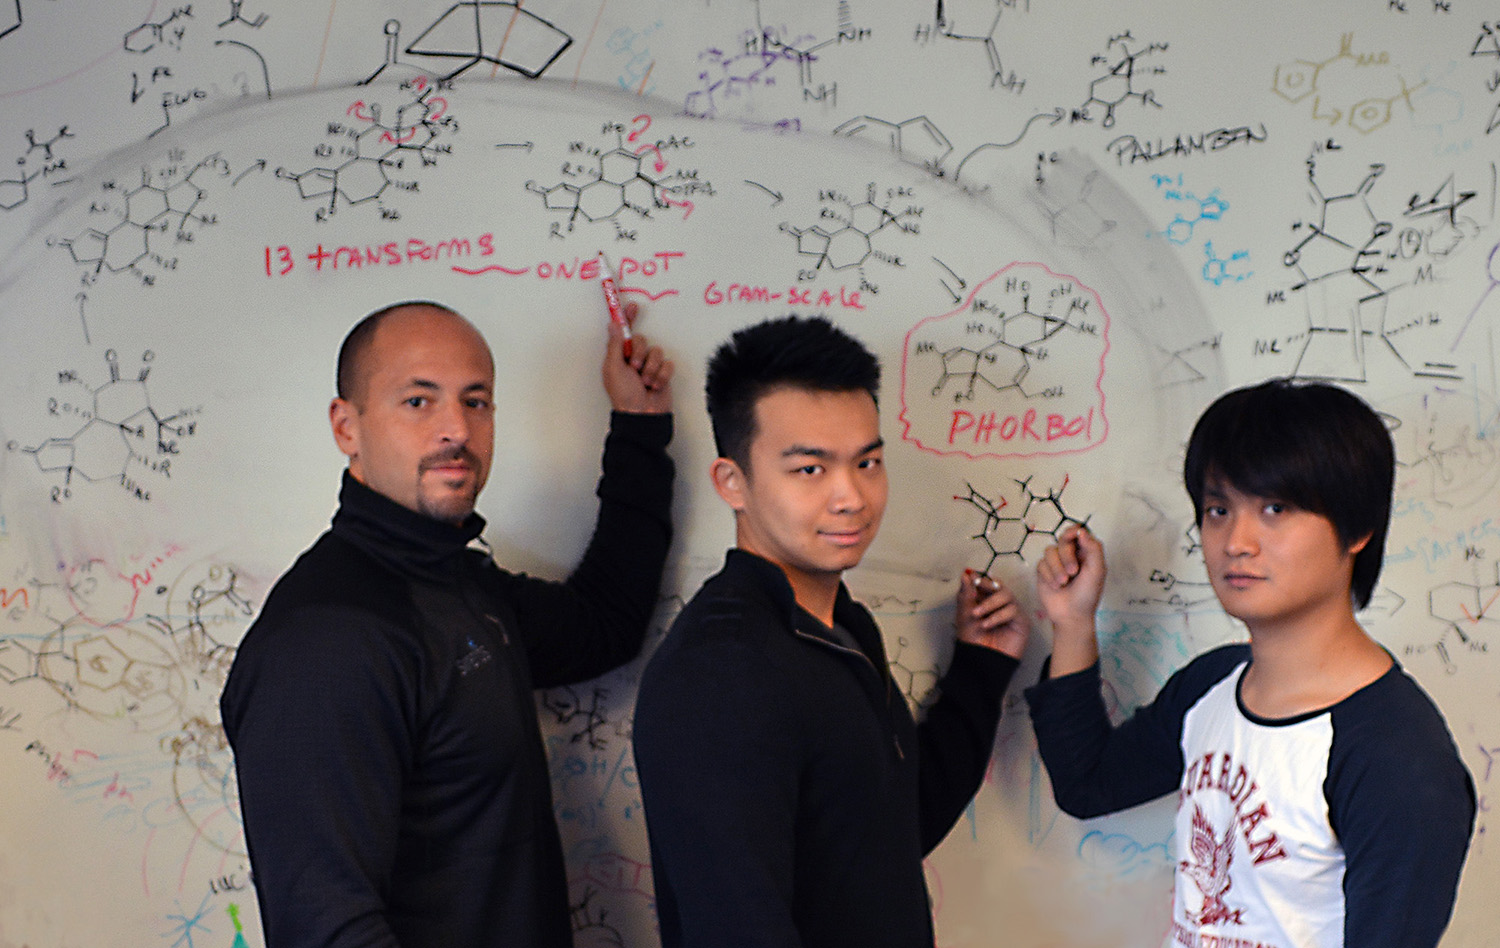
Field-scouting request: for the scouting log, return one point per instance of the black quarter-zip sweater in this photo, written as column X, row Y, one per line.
column 790, row 796
column 392, row 777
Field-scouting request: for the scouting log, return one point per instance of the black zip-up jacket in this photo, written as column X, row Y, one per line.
column 391, row 773
column 790, row 797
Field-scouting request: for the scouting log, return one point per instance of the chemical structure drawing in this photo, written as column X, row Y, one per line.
column 170, row 32
column 185, row 923
column 1337, row 255
column 917, row 141
column 1412, row 330
column 1016, row 369
column 37, row 161
column 1021, row 525
column 392, row 68
column 130, row 648
column 632, row 43
column 32, row 144
column 1413, row 334
column 618, row 182
column 136, row 224
column 1173, row 367
column 1072, row 218
column 591, row 926
column 10, row 18
column 1435, row 227
column 1470, row 614
column 158, row 666
column 1194, row 210
column 17, row 661
column 1446, row 447
column 882, row 604
column 968, row 26
column 763, row 55
column 586, row 717
column 1006, row 343
column 178, row 66
column 1123, row 54
column 362, row 153
column 120, row 436
column 1346, row 78
column 1216, row 269
column 622, row 184
column 1129, row 67
column 207, row 608
column 1361, row 278
column 919, row 684
column 1492, row 272
column 1003, row 364
column 844, row 236
column 113, row 673
column 491, row 31
column 1490, row 755
column 204, row 788
column 237, row 15
column 1175, row 593
column 1136, row 658
column 1487, row 43
column 728, row 75
column 1192, row 541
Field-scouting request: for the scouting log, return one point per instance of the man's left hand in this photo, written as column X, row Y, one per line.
column 988, row 614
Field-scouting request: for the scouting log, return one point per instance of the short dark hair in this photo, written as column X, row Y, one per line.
column 791, row 352
column 349, row 377
column 1312, row 445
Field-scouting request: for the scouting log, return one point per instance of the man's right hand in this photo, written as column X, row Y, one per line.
column 1069, row 584
column 641, row 384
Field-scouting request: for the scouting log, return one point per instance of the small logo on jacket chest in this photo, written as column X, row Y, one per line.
column 477, row 657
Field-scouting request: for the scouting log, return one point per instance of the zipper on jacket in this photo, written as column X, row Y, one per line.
column 494, row 620
column 886, row 678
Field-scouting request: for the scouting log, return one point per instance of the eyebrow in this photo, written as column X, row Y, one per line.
column 798, row 450
column 433, row 386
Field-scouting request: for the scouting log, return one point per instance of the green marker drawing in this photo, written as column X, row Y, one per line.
column 239, row 930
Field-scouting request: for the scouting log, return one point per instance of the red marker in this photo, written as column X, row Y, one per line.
column 612, row 299
column 979, row 579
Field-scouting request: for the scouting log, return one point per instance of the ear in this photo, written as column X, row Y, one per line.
column 729, row 480
column 1360, row 544
column 343, row 417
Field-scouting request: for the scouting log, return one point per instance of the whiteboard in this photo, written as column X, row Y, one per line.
column 1063, row 231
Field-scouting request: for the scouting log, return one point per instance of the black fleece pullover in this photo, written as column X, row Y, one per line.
column 381, row 711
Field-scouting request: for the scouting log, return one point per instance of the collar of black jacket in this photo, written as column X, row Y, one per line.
column 846, row 612
column 408, row 542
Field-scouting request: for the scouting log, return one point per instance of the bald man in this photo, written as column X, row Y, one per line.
column 391, row 771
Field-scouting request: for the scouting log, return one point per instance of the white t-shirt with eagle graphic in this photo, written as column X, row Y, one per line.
column 1344, row 826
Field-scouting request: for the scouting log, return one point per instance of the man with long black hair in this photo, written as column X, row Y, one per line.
column 1321, row 801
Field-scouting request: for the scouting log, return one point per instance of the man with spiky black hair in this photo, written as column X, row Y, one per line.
column 790, row 797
